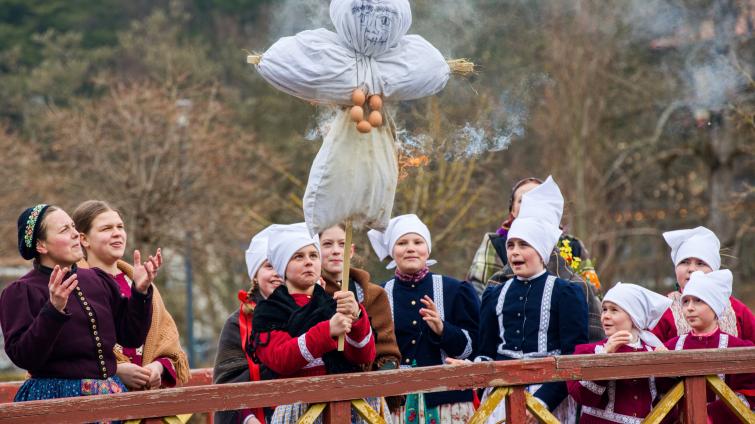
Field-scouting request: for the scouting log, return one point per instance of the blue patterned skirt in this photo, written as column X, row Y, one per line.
column 53, row 388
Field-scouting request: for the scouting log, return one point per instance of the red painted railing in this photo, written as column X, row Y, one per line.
column 337, row 390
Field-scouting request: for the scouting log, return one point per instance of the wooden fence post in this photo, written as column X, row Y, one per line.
column 516, row 408
column 338, row 412
column 695, row 404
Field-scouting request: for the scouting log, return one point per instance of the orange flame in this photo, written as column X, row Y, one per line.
column 405, row 162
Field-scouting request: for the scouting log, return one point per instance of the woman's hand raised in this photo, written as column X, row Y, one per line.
column 60, row 289
column 144, row 273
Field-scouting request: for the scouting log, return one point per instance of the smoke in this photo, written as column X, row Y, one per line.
column 452, row 26
column 649, row 19
column 506, row 122
column 322, row 118
column 713, row 83
column 704, row 35
column 413, row 144
column 293, row 16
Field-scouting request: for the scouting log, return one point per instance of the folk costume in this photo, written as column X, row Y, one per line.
column 490, row 265
column 538, row 316
column 68, row 353
column 162, row 343
column 623, row 401
column 458, row 309
column 736, row 319
column 714, row 289
column 291, row 331
column 234, row 362
column 556, row 266
column 375, row 301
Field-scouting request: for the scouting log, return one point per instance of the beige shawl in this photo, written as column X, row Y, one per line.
column 162, row 339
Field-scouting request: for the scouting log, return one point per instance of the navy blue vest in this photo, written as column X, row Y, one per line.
column 458, row 307
column 542, row 317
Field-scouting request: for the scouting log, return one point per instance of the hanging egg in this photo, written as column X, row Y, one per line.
column 364, row 127
column 375, row 119
column 376, row 102
column 357, row 113
column 358, row 97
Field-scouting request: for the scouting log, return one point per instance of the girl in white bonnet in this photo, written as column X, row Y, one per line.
column 693, row 250
column 628, row 312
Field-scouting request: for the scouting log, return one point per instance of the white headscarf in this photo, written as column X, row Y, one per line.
column 284, row 241
column 539, row 219
column 371, row 27
column 256, row 254
column 643, row 306
column 383, row 242
column 713, row 288
column 699, row 242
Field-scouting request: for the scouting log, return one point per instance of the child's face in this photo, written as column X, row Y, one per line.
column 303, row 270
column 268, row 279
column 524, row 188
column 332, row 245
column 687, row 267
column 523, row 258
column 411, row 253
column 698, row 314
column 614, row 319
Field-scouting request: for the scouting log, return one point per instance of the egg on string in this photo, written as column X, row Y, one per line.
column 376, row 102
column 375, row 119
column 358, row 97
column 364, row 127
column 357, row 113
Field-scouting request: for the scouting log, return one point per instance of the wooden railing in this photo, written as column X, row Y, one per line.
column 199, row 377
column 338, row 390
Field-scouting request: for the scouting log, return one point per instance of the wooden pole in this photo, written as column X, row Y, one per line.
column 346, row 268
column 516, row 405
column 695, row 404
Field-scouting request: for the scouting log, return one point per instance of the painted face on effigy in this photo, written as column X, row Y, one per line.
column 376, row 17
column 523, row 258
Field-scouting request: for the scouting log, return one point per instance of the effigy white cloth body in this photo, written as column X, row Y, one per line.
column 354, row 176
column 369, row 50
column 317, row 66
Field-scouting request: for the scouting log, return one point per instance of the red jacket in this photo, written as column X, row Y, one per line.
column 745, row 322
column 743, row 384
column 615, row 401
column 301, row 356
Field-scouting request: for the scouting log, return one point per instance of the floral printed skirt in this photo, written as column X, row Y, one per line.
column 53, row 388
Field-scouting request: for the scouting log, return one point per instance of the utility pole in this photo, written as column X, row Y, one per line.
column 184, row 106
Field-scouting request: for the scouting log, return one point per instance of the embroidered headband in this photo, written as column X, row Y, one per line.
column 28, row 229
